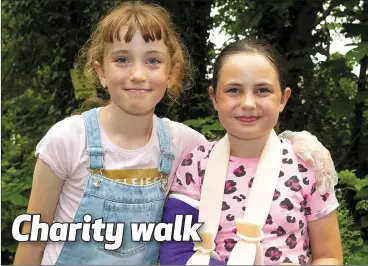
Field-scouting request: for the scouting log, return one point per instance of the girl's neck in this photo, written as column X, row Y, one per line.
column 128, row 131
column 247, row 148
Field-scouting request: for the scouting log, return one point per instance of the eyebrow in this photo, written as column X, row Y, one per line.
column 234, row 84
column 264, row 83
column 121, row 51
column 154, row 52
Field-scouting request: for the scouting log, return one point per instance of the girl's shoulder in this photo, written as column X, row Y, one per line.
column 62, row 144
column 183, row 137
column 199, row 155
column 301, row 178
column 290, row 152
column 298, row 175
column 203, row 151
column 69, row 129
column 178, row 129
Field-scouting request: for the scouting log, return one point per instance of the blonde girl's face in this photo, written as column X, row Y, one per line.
column 248, row 96
column 135, row 73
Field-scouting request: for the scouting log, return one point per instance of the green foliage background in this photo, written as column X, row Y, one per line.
column 41, row 39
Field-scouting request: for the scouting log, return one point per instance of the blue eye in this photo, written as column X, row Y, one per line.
column 263, row 90
column 153, row 61
column 122, row 60
column 233, row 90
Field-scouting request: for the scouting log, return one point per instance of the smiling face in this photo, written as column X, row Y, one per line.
column 248, row 96
column 136, row 73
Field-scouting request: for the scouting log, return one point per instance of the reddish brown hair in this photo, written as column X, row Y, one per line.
column 155, row 23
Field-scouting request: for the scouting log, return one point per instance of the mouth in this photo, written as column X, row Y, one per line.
column 138, row 90
column 247, row 119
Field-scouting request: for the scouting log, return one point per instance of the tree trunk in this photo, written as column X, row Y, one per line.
column 295, row 43
column 358, row 155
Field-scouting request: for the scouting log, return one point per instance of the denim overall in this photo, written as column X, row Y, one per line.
column 117, row 202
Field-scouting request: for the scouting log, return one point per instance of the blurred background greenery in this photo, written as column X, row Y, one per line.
column 41, row 39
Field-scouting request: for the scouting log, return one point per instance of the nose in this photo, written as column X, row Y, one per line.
column 138, row 74
column 248, row 101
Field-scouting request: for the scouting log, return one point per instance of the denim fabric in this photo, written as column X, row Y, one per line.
column 116, row 202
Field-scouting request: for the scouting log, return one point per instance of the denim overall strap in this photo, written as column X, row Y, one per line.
column 94, row 149
column 166, row 156
column 113, row 202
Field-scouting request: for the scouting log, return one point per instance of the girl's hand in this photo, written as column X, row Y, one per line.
column 316, row 156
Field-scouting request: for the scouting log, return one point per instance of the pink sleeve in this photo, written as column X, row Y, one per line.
column 187, row 179
column 56, row 148
column 317, row 205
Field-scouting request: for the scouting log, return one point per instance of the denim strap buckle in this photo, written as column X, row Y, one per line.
column 168, row 155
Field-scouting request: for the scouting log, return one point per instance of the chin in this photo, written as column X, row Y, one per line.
column 248, row 134
column 245, row 136
column 138, row 111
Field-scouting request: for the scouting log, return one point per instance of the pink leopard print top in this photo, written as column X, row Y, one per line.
column 295, row 202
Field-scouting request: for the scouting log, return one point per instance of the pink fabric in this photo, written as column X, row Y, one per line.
column 296, row 201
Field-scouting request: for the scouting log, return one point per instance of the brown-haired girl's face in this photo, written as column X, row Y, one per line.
column 248, row 96
column 136, row 73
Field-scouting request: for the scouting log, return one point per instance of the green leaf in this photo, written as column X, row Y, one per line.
column 11, row 248
column 363, row 206
column 18, row 199
column 341, row 107
column 54, row 75
column 347, row 177
column 195, row 122
column 357, row 53
column 362, row 194
column 214, row 127
column 26, row 186
column 358, row 186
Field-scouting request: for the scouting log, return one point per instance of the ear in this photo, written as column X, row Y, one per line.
column 284, row 98
column 212, row 94
column 173, row 75
column 98, row 68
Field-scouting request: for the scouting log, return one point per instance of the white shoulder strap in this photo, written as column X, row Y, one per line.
column 250, row 232
column 248, row 250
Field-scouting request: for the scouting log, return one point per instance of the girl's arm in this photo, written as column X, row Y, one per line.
column 178, row 253
column 46, row 189
column 325, row 240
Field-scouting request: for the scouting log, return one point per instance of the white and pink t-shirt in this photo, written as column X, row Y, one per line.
column 295, row 203
column 64, row 150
